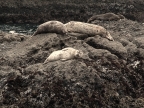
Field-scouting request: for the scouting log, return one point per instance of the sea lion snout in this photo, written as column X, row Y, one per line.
column 78, row 53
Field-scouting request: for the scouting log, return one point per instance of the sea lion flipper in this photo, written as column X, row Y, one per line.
column 64, row 49
column 63, row 59
column 109, row 37
column 35, row 33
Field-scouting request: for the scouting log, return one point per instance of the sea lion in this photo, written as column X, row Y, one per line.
column 64, row 54
column 12, row 32
column 89, row 29
column 51, row 27
column 106, row 17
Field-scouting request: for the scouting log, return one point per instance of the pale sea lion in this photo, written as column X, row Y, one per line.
column 106, row 17
column 51, row 27
column 64, row 54
column 12, row 32
column 89, row 29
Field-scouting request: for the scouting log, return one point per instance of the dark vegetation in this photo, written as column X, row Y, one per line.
column 38, row 11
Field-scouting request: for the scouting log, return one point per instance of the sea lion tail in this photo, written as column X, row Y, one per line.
column 45, row 61
column 89, row 20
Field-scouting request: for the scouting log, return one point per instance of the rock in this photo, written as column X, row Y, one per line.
column 110, row 74
column 12, row 37
column 130, row 47
column 78, row 35
column 140, row 53
column 139, row 42
column 31, row 49
column 128, row 102
column 114, row 47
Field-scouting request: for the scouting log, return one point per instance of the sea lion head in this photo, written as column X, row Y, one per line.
column 78, row 53
column 121, row 16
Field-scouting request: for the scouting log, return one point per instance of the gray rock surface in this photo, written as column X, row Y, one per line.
column 110, row 74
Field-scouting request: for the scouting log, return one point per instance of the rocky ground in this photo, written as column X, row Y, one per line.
column 110, row 74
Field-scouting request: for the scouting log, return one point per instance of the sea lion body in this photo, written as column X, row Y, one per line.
column 12, row 32
column 106, row 17
column 64, row 54
column 89, row 29
column 51, row 27
column 56, row 55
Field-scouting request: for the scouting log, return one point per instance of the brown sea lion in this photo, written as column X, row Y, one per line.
column 51, row 27
column 106, row 17
column 86, row 28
